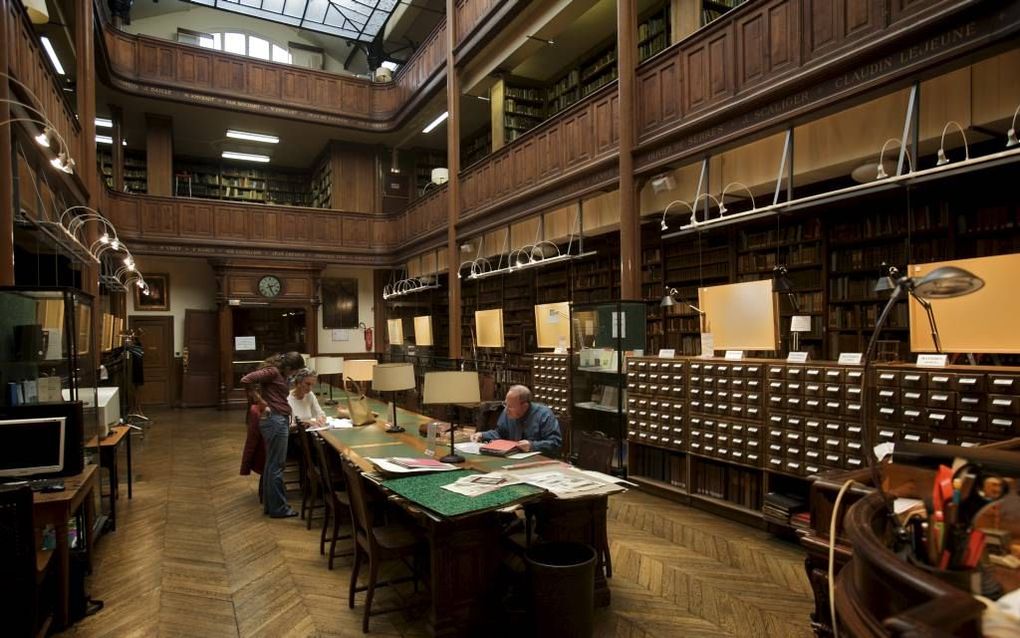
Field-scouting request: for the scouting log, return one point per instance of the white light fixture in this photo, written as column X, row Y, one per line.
column 663, row 225
column 252, row 137
column 722, row 197
column 104, row 122
column 123, row 142
column 436, row 122
column 663, row 182
column 942, row 143
column 43, row 139
column 244, row 157
column 104, row 139
column 53, row 55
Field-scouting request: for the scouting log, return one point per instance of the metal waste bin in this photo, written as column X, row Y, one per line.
column 562, row 578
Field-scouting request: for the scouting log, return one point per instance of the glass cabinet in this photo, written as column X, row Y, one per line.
column 602, row 336
column 46, row 354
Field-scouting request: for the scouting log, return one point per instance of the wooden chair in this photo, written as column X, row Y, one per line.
column 376, row 545
column 25, row 585
column 336, row 501
column 595, row 451
column 312, row 497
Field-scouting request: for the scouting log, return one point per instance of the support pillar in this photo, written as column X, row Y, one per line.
column 630, row 220
column 453, row 186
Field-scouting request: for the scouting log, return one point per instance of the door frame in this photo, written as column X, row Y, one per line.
column 173, row 400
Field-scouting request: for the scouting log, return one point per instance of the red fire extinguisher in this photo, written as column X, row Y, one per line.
column 368, row 339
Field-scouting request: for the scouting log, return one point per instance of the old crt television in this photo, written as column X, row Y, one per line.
column 41, row 440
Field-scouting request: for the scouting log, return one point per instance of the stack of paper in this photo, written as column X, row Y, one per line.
column 388, row 466
column 478, row 484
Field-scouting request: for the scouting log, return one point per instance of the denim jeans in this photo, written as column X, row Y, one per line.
column 275, row 430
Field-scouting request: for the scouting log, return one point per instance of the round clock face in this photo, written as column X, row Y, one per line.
column 269, row 286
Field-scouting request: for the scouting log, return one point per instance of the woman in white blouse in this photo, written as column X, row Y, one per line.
column 303, row 404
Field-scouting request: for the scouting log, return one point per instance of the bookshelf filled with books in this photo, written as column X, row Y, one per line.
column 321, row 183
column 104, row 160
column 213, row 180
column 426, row 159
column 135, row 173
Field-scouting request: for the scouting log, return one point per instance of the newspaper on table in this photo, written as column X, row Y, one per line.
column 332, row 423
column 478, row 484
column 566, row 481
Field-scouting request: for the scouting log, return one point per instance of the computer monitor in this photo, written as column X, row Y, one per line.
column 32, row 447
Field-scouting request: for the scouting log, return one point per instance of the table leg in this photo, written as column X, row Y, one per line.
column 128, row 437
column 63, row 557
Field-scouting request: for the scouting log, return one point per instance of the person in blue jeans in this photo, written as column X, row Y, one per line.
column 268, row 388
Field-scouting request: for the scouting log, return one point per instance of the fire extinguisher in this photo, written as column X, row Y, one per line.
column 368, row 338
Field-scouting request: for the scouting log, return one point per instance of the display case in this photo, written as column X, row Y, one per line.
column 46, row 355
column 603, row 335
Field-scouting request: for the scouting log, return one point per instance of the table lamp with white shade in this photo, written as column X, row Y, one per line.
column 359, row 371
column 393, row 377
column 329, row 367
column 451, row 388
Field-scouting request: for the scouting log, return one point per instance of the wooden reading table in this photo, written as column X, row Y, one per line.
column 108, row 459
column 466, row 550
column 56, row 509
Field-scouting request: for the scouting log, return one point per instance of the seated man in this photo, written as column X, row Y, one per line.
column 532, row 425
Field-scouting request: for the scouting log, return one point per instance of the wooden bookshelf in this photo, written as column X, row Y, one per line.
column 687, row 265
column 476, row 146
column 135, row 172
column 321, row 182
column 523, row 109
column 424, row 161
column 219, row 180
column 712, row 10
column 104, row 160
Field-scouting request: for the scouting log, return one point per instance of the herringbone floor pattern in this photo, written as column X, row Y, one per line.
column 193, row 556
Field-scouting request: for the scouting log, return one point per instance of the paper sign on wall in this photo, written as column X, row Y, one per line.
column 932, row 360
column 707, row 344
column 667, row 353
column 797, row 357
column 244, row 343
column 340, row 334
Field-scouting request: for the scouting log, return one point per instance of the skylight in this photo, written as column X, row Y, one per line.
column 355, row 19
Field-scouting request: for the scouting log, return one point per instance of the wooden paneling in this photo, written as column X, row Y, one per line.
column 470, row 14
column 708, row 68
column 159, row 153
column 169, row 220
column 355, row 177
column 154, row 66
column 829, row 25
column 768, row 42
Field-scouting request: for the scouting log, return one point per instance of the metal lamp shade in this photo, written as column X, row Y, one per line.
column 329, row 365
column 947, row 282
column 451, row 387
column 667, row 301
column 885, row 284
column 359, row 369
column 393, row 377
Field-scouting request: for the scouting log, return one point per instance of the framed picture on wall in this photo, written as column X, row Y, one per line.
column 339, row 303
column 159, row 293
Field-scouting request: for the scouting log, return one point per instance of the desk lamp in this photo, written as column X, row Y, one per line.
column 942, row 283
column 393, row 377
column 448, row 388
column 358, row 370
column 328, row 367
column 672, row 296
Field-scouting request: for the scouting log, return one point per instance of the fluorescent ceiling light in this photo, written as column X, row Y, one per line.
column 392, row 66
column 247, row 157
column 103, row 122
column 104, row 139
column 53, row 55
column 252, row 137
column 436, row 122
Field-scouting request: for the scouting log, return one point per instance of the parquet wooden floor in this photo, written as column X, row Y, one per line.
column 193, row 556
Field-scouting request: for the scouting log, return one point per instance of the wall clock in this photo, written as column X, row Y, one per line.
column 270, row 286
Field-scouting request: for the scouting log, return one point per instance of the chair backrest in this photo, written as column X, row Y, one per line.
column 325, row 474
column 303, row 441
column 361, row 513
column 595, row 451
column 17, row 561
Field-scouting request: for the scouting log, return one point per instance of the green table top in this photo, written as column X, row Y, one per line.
column 427, row 490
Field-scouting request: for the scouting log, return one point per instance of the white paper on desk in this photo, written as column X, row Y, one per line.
column 478, row 484
column 470, row 447
column 334, row 422
column 560, row 482
column 606, row 478
column 390, row 467
column 901, row 505
column 521, row 455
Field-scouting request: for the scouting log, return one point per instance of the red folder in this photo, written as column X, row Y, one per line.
column 499, row 447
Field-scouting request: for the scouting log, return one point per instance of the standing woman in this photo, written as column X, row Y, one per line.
column 268, row 388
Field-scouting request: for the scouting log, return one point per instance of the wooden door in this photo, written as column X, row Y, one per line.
column 158, row 343
column 201, row 385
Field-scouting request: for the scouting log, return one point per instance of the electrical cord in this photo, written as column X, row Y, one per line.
column 832, row 557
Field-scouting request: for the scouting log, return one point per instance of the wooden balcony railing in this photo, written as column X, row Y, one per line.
column 27, row 63
column 236, row 227
column 471, row 13
column 168, row 70
column 423, row 218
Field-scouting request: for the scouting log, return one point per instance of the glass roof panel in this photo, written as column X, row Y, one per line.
column 354, row 19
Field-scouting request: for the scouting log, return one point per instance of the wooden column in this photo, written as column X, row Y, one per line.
column 85, row 81
column 379, row 279
column 159, row 154
column 453, row 186
column 630, row 220
column 117, row 115
column 6, row 164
